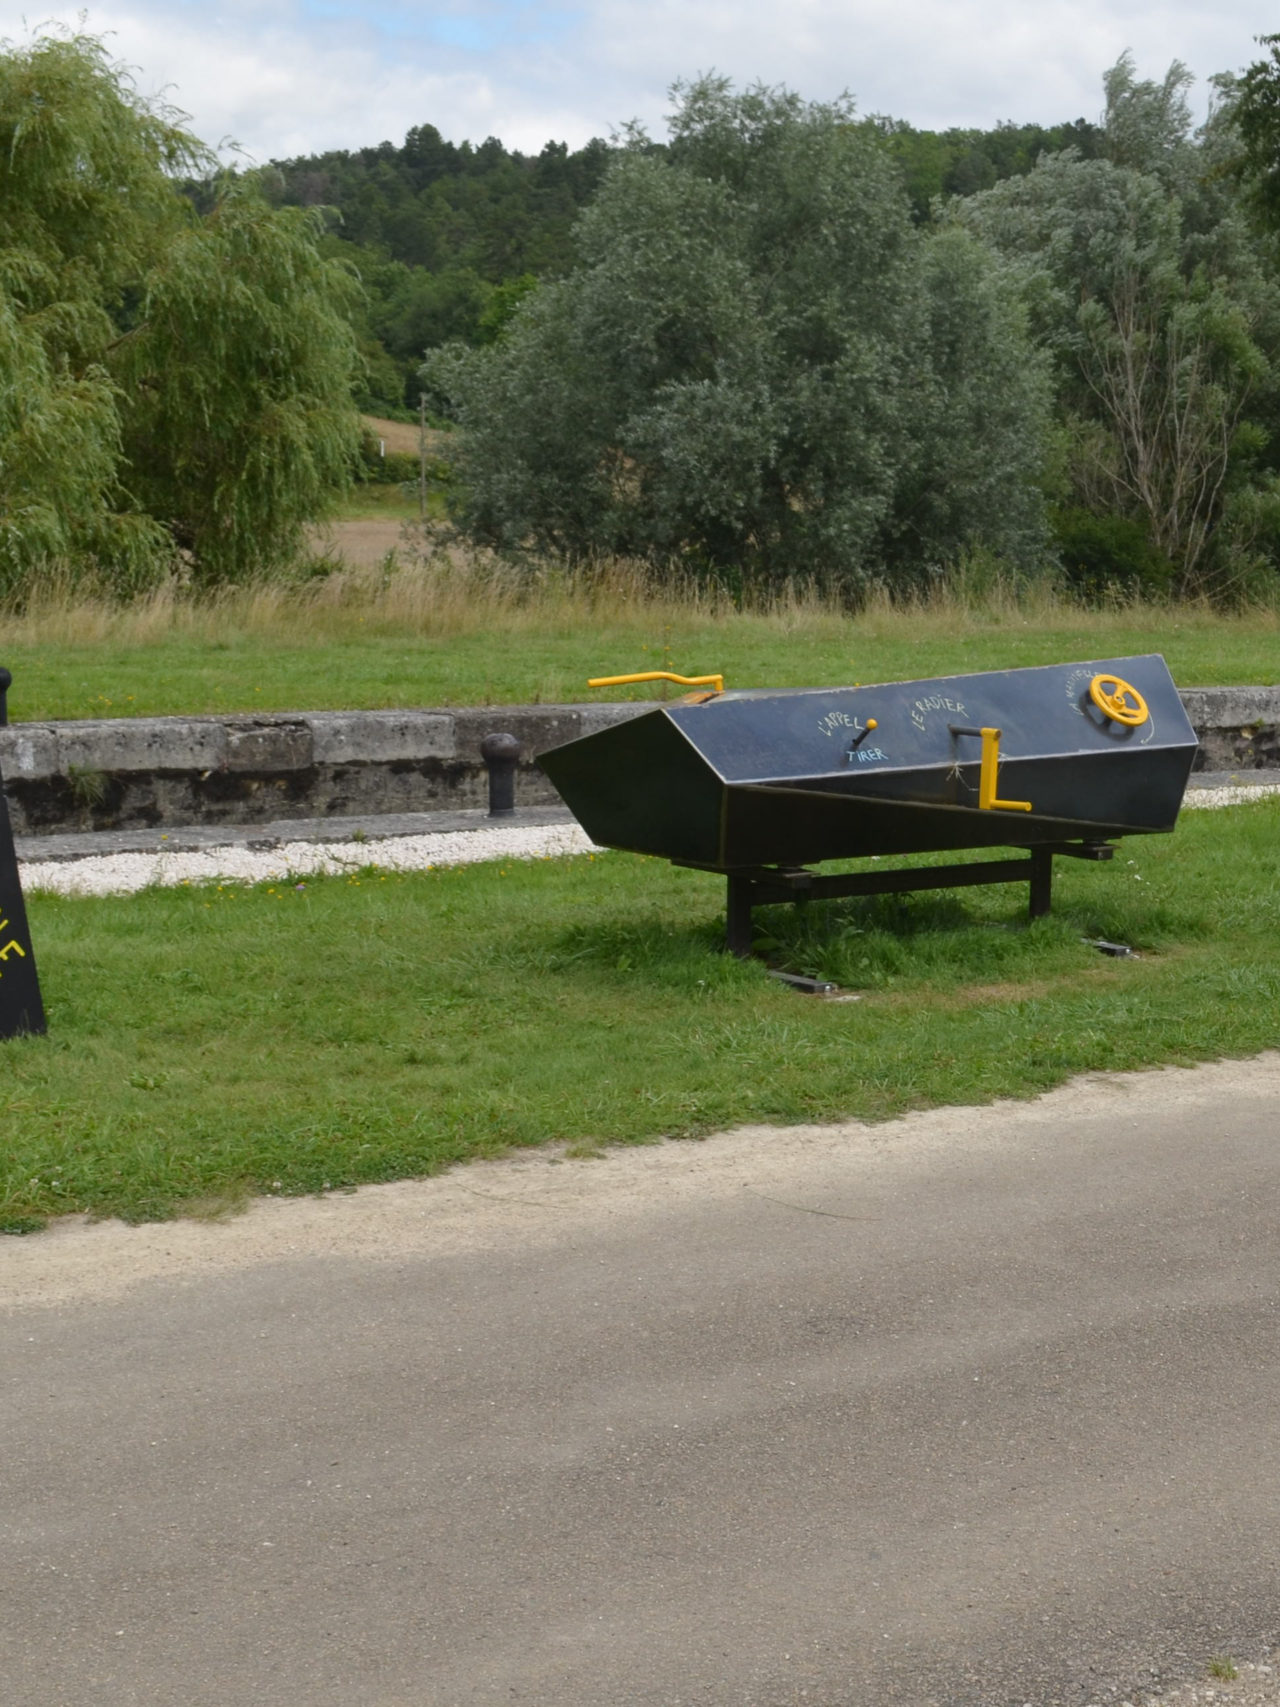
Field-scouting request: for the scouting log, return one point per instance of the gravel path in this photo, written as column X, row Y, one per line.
column 125, row 873
column 1231, row 796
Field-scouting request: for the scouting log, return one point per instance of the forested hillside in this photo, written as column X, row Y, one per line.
column 448, row 237
column 944, row 163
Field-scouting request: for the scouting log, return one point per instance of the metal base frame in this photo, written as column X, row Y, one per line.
column 756, row 886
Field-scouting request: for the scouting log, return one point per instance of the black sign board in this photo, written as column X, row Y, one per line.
column 21, row 1009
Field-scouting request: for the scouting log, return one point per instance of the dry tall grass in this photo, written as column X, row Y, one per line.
column 447, row 593
column 455, row 592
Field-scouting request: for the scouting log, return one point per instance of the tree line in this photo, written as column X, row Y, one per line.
column 447, row 238
column 784, row 341
column 767, row 365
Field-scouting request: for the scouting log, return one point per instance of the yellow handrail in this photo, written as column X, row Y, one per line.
column 716, row 682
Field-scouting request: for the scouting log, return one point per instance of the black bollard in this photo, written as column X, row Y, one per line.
column 500, row 753
column 6, row 682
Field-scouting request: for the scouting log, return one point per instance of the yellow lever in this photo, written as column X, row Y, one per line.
column 716, row 682
column 987, row 776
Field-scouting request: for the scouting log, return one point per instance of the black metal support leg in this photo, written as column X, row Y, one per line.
column 738, row 917
column 1041, row 881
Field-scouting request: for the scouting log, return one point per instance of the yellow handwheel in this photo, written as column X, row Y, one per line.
column 1118, row 701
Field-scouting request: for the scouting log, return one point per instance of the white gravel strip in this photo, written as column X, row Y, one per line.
column 1207, row 797
column 124, row 873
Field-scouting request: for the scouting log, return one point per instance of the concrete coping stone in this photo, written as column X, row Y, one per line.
column 1242, row 708
column 380, row 737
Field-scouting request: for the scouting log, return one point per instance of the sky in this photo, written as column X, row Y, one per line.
column 286, row 77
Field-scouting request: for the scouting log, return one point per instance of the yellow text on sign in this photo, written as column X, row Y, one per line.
column 11, row 946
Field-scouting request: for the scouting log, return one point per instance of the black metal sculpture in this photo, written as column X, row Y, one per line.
column 759, row 785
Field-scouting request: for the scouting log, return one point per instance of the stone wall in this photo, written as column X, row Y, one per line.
column 137, row 773
column 141, row 772
column 1239, row 728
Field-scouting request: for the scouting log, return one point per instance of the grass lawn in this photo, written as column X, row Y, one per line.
column 207, row 1043
column 388, row 647
column 392, row 503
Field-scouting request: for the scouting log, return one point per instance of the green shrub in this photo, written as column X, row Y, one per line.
column 385, row 468
column 1109, row 556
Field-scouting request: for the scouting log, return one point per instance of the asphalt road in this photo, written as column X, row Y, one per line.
column 982, row 1406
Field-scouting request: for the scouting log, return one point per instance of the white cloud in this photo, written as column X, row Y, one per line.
column 291, row 76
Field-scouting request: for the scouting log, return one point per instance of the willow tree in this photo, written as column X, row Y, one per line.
column 174, row 387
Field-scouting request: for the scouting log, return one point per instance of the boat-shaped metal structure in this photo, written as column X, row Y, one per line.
column 760, row 784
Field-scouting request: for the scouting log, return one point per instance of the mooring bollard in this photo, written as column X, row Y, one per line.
column 500, row 753
column 6, row 682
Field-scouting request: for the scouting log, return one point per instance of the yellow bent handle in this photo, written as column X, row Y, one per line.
column 716, row 682
column 987, row 801
column 1112, row 696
